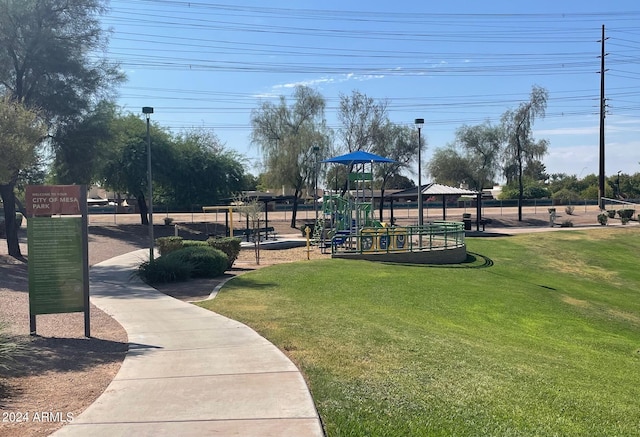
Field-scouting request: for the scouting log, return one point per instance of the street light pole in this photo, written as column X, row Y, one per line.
column 315, row 183
column 147, row 111
column 419, row 123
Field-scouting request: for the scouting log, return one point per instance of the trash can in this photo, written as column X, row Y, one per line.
column 466, row 219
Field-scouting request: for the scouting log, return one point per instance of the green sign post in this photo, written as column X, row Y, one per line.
column 58, row 251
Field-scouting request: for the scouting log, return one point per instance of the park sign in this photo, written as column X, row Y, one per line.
column 57, row 242
column 47, row 200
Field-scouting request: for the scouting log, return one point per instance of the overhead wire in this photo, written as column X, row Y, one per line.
column 511, row 47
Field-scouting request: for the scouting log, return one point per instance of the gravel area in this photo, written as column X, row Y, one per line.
column 60, row 372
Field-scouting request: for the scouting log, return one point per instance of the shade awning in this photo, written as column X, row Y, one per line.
column 359, row 157
column 434, row 189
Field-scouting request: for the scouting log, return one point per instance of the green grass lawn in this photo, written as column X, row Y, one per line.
column 536, row 335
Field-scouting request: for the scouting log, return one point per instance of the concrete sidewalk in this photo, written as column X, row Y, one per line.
column 189, row 372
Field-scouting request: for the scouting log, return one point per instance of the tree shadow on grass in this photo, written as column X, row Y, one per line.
column 243, row 281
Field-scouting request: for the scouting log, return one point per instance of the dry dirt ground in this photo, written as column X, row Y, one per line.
column 60, row 372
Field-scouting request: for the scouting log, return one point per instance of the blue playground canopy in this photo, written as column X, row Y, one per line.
column 358, row 157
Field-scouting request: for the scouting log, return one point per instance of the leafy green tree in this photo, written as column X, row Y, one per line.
column 50, row 55
column 565, row 197
column 395, row 142
column 482, row 145
column 626, row 186
column 399, row 182
column 364, row 125
column 21, row 131
column 49, row 61
column 532, row 190
column 363, row 122
column 336, row 176
column 474, row 158
column 521, row 147
column 251, row 182
column 287, row 135
column 125, row 167
column 200, row 171
column 449, row 166
column 82, row 145
column 590, row 193
column 536, row 171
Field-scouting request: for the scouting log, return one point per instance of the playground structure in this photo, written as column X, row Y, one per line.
column 349, row 230
column 346, row 226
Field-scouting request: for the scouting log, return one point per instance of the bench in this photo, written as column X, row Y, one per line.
column 269, row 230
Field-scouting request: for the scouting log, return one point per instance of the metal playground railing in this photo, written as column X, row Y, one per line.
column 435, row 235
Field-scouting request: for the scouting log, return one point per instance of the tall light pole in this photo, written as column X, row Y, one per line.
column 147, row 111
column 316, row 149
column 419, row 123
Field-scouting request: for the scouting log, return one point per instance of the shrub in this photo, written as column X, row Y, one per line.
column 205, row 261
column 194, row 243
column 565, row 196
column 626, row 213
column 603, row 218
column 569, row 209
column 165, row 269
column 229, row 245
column 533, row 190
column 611, row 213
column 566, row 224
column 168, row 244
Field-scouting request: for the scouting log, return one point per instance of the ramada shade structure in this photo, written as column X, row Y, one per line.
column 358, row 157
column 433, row 189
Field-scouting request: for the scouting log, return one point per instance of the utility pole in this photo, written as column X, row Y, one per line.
column 601, row 193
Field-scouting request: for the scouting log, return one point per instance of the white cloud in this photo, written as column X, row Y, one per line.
column 329, row 80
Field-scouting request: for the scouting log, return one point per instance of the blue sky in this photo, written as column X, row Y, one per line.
column 208, row 64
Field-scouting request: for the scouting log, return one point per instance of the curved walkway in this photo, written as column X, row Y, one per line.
column 189, row 371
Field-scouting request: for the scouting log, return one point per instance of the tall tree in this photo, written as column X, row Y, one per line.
column 483, row 146
column 81, row 145
column 49, row 54
column 450, row 166
column 398, row 143
column 361, row 120
column 125, row 167
column 201, row 171
column 521, row 147
column 362, row 124
column 49, row 62
column 474, row 158
column 21, row 130
column 287, row 135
